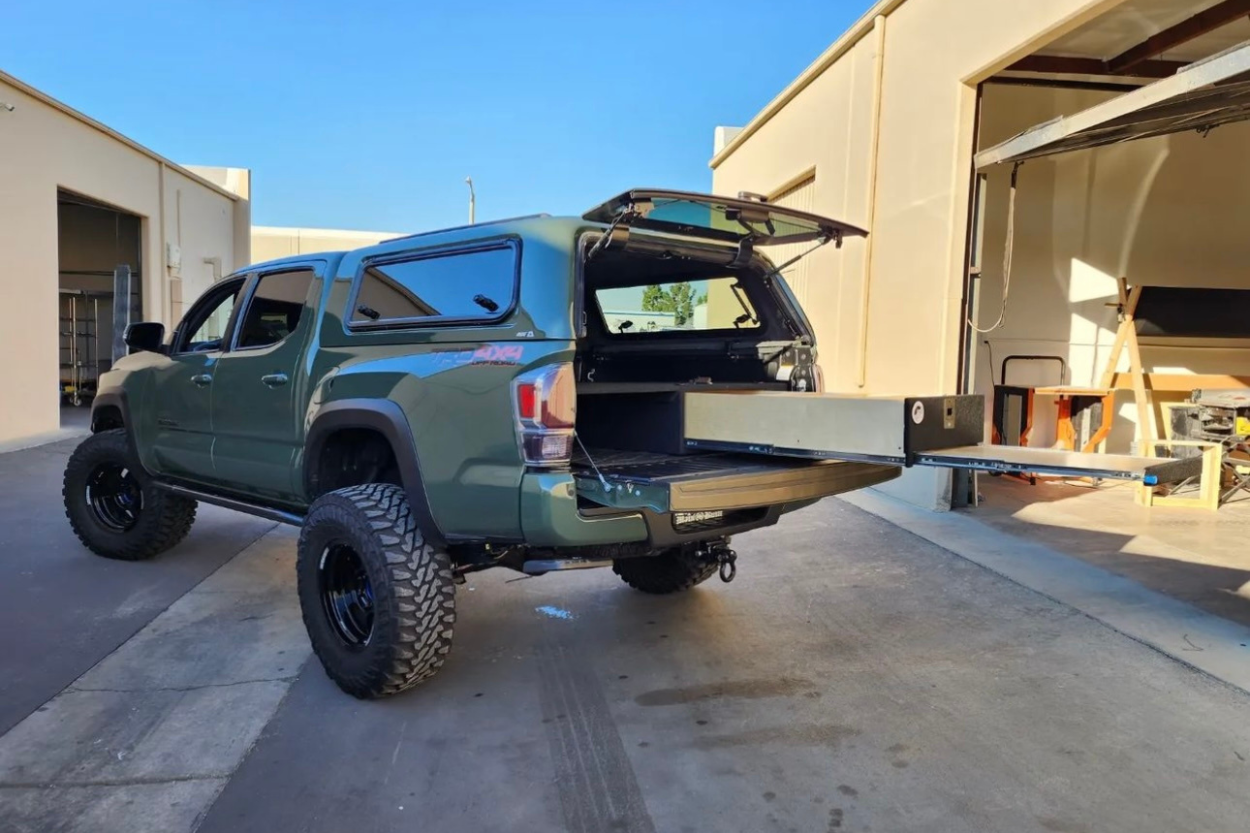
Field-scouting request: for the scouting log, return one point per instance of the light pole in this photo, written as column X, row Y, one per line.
column 468, row 180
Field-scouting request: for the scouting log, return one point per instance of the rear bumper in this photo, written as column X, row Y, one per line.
column 549, row 516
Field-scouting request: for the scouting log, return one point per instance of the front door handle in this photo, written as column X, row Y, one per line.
column 274, row 380
column 202, row 379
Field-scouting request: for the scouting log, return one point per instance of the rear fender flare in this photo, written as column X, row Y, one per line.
column 387, row 418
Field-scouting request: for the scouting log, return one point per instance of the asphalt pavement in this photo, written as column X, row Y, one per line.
column 853, row 677
column 63, row 610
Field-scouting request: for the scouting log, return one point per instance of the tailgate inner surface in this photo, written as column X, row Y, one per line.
column 713, row 481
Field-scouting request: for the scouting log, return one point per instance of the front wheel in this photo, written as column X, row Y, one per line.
column 378, row 599
column 114, row 508
column 671, row 571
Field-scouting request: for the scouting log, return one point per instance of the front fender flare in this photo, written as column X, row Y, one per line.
column 117, row 399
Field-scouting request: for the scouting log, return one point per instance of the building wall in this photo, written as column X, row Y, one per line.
column 912, row 193
column 202, row 224
column 1168, row 211
column 42, row 148
column 271, row 242
column 824, row 134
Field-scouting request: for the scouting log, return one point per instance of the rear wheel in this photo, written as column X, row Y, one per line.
column 114, row 508
column 669, row 572
column 378, row 600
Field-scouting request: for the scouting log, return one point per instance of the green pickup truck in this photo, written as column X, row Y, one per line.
column 539, row 393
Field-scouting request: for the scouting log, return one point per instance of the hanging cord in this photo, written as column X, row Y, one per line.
column 1007, row 252
column 603, row 481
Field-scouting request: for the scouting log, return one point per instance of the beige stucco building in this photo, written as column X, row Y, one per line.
column 271, row 242
column 884, row 131
column 78, row 200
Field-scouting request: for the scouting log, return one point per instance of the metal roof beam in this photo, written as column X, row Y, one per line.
column 1200, row 24
column 1067, row 65
column 1206, row 94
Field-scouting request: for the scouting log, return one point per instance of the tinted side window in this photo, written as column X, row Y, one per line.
column 473, row 284
column 205, row 324
column 274, row 311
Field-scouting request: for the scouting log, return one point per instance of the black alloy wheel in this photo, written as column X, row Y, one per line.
column 115, row 496
column 346, row 594
column 114, row 506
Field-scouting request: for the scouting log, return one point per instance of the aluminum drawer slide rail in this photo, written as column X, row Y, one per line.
column 942, row 431
column 1016, row 459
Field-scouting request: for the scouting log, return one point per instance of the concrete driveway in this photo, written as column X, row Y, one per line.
column 854, row 677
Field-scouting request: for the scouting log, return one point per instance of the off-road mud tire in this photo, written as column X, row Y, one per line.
column 413, row 593
column 162, row 518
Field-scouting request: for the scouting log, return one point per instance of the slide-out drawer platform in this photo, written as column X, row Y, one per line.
column 944, row 431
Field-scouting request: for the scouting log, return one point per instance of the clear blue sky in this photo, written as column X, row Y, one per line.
column 370, row 115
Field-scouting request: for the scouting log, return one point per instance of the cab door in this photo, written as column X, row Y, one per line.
column 182, row 390
column 258, row 385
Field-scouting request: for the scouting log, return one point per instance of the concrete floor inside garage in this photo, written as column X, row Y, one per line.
column 1197, row 556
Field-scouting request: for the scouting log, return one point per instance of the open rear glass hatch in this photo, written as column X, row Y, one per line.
column 748, row 218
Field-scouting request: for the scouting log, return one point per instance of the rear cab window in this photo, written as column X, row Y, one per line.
column 472, row 284
column 679, row 306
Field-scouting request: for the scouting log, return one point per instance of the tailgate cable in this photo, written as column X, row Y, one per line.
column 603, row 481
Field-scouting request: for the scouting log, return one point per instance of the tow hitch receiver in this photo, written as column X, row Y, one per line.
column 726, row 558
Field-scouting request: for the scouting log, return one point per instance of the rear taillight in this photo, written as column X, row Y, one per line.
column 546, row 410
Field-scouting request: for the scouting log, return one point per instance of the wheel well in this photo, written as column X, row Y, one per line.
column 353, row 457
column 107, row 418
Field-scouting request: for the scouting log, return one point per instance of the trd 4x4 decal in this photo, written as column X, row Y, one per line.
column 498, row 354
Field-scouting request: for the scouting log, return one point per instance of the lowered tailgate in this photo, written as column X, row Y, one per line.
column 714, row 482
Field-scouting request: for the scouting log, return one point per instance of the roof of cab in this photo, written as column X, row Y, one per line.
column 561, row 230
column 529, row 224
column 478, row 226
column 290, row 260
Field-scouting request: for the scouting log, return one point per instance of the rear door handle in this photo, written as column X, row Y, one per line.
column 202, row 379
column 274, row 380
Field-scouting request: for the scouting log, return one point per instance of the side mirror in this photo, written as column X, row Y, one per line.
column 145, row 335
